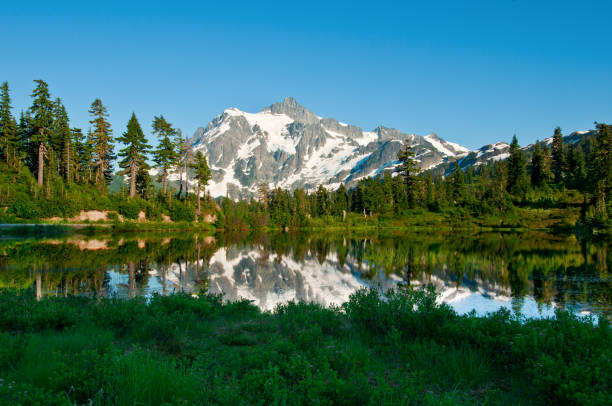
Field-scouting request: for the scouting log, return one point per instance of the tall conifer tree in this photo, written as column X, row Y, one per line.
column 101, row 142
column 537, row 165
column 600, row 167
column 516, row 169
column 558, row 157
column 165, row 155
column 41, row 124
column 135, row 152
column 201, row 171
column 61, row 139
column 8, row 125
column 408, row 170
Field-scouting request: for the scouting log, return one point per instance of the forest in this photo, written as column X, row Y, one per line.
column 52, row 170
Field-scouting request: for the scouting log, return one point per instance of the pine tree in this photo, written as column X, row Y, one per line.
column 340, row 200
column 537, row 166
column 263, row 194
column 546, row 164
column 558, row 158
column 516, row 169
column 457, row 184
column 61, row 140
column 144, row 182
column 101, row 142
column 8, row 125
column 181, row 150
column 428, row 190
column 600, row 167
column 165, row 155
column 24, row 144
column 201, row 173
column 322, row 201
column 42, row 124
column 135, row 152
column 579, row 174
column 408, row 170
column 82, row 155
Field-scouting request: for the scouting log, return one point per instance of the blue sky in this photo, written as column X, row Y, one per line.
column 473, row 72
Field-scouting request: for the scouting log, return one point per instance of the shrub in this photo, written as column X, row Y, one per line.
column 130, row 208
column 25, row 209
column 179, row 211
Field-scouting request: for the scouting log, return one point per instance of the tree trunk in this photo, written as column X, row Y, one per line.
column 41, row 157
column 132, row 285
column 164, row 182
column 68, row 162
column 100, row 173
column 186, row 178
column 132, row 180
column 38, row 286
column 198, row 216
column 180, row 181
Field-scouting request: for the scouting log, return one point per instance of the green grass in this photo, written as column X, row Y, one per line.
column 404, row 349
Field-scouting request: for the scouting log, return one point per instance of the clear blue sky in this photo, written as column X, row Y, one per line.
column 474, row 72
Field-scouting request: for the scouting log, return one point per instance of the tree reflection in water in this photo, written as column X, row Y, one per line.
column 550, row 271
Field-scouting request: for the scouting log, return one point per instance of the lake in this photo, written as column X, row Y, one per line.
column 531, row 273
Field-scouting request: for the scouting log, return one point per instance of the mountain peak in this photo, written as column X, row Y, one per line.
column 290, row 107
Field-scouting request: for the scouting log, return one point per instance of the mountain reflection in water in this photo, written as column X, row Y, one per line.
column 531, row 273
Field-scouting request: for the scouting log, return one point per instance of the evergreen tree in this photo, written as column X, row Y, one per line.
column 322, row 201
column 135, row 152
column 182, row 147
column 41, row 124
column 201, row 173
column 24, row 144
column 8, row 126
column 457, row 184
column 340, row 200
column 429, row 190
column 144, row 186
column 579, row 174
column 387, row 201
column 600, row 167
column 101, row 142
column 516, row 169
column 408, row 169
column 538, row 176
column 165, row 155
column 558, row 158
column 263, row 194
column 82, row 155
column 61, row 140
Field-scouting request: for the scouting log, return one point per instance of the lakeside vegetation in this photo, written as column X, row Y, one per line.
column 50, row 171
column 405, row 349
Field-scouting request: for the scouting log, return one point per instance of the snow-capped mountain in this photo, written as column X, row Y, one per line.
column 501, row 150
column 289, row 146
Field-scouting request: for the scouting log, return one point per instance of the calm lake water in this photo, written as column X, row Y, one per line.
column 531, row 273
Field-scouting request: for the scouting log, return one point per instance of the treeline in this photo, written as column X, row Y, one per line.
column 53, row 169
column 540, row 178
column 48, row 169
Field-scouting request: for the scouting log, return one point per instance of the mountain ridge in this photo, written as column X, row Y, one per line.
column 286, row 145
column 289, row 146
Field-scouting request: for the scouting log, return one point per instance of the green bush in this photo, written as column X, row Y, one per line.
column 179, row 211
column 25, row 209
column 130, row 208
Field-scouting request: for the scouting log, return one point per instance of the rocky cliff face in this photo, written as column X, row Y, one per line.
column 289, row 146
